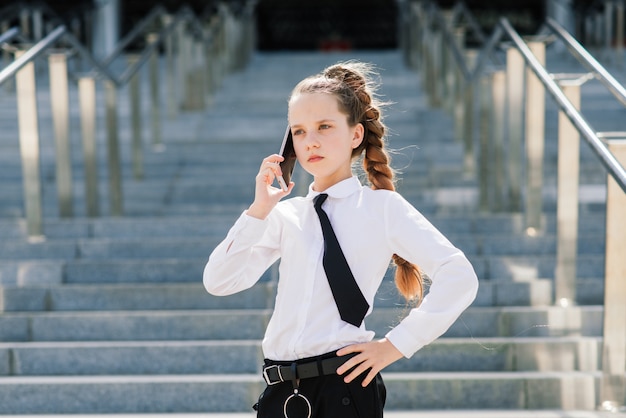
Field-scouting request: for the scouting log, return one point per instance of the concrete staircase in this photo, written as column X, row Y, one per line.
column 109, row 316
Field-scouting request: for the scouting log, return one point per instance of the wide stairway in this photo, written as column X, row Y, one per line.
column 108, row 315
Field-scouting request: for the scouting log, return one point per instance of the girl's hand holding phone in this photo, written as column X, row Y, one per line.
column 267, row 196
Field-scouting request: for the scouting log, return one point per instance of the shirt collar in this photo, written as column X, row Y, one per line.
column 342, row 189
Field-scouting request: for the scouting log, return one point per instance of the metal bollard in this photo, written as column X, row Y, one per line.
column 29, row 147
column 134, row 90
column 568, row 172
column 613, row 383
column 535, row 138
column 515, row 109
column 59, row 99
column 87, row 103
column 114, row 166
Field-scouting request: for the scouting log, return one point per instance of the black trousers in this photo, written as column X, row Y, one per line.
column 326, row 397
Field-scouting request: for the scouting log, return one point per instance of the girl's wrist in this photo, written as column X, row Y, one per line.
column 258, row 211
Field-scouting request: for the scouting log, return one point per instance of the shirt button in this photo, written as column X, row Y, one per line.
column 345, row 401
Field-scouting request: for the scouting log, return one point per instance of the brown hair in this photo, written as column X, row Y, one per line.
column 352, row 84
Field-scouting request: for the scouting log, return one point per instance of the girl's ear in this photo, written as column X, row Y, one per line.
column 359, row 132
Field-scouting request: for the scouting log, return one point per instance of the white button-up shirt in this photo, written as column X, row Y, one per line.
column 371, row 226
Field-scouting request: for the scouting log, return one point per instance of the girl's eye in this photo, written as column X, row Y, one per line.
column 324, row 126
column 297, row 132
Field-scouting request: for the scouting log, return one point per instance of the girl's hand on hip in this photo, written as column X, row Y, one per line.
column 267, row 196
column 371, row 357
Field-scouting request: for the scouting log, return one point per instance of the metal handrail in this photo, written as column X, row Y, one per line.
column 9, row 35
column 30, row 55
column 504, row 27
column 572, row 125
column 585, row 58
column 211, row 37
column 606, row 157
column 154, row 14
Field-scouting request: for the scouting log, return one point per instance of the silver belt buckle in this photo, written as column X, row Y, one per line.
column 267, row 378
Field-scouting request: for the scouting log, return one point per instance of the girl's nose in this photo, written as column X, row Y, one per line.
column 311, row 141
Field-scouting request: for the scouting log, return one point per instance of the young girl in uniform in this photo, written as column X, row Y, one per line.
column 320, row 362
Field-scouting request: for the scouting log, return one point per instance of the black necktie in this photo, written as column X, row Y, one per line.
column 348, row 297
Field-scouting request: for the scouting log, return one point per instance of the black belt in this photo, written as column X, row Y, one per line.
column 278, row 373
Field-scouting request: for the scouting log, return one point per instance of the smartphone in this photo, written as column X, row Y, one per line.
column 289, row 162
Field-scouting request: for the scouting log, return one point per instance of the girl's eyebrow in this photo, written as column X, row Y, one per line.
column 296, row 125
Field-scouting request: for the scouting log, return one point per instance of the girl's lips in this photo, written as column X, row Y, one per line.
column 314, row 158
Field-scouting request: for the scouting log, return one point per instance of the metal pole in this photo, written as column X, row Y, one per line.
column 498, row 92
column 114, row 166
column 535, row 138
column 455, row 83
column 155, row 99
column 515, row 116
column 568, row 172
column 87, row 102
column 135, row 116
column 619, row 34
column 59, row 99
column 484, row 165
column 436, row 68
column 6, row 55
column 608, row 28
column 613, row 384
column 170, row 71
column 29, row 147
column 469, row 159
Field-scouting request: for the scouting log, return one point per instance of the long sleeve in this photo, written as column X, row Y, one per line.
column 240, row 259
column 453, row 281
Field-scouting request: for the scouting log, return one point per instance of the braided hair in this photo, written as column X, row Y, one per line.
column 351, row 83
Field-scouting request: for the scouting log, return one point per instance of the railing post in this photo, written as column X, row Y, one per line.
column 455, row 83
column 87, row 102
column 436, row 59
column 29, row 147
column 135, row 117
column 6, row 55
column 114, row 166
column 181, row 63
column 608, row 28
column 155, row 97
column 619, row 33
column 498, row 92
column 468, row 87
column 484, row 165
column 568, row 172
column 613, row 385
column 170, row 71
column 59, row 99
column 535, row 138
column 515, row 109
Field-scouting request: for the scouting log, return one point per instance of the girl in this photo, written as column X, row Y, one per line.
column 318, row 364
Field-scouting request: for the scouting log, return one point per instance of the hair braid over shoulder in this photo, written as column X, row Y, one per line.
column 360, row 103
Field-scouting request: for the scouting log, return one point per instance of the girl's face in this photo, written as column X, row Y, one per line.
column 322, row 138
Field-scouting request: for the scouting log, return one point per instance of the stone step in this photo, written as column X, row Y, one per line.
column 48, row 268
column 485, row 245
column 245, row 356
column 442, row 413
column 223, row 214
column 244, row 324
column 237, row 393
